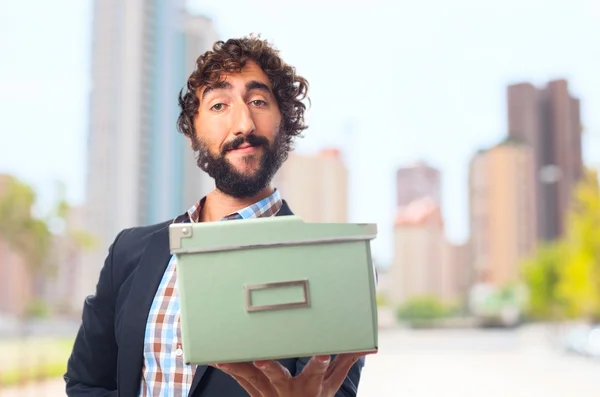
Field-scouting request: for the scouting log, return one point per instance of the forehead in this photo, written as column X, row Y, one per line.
column 238, row 80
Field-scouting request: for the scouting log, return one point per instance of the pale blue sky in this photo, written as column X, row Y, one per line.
column 416, row 79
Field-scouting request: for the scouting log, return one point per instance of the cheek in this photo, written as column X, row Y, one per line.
column 211, row 133
column 268, row 124
column 209, row 146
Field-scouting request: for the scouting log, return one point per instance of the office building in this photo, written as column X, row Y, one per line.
column 140, row 168
column 548, row 119
column 417, row 181
column 455, row 273
column 419, row 245
column 502, row 211
column 315, row 186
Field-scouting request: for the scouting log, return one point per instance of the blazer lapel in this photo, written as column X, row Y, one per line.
column 285, row 210
column 150, row 271
column 202, row 369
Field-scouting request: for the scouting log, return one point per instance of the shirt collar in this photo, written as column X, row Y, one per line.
column 269, row 206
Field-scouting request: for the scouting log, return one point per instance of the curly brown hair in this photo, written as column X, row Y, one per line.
column 230, row 57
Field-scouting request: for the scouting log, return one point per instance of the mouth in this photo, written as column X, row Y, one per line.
column 245, row 148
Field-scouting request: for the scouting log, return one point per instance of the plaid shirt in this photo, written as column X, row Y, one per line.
column 164, row 372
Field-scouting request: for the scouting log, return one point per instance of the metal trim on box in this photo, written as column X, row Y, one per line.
column 177, row 249
column 279, row 306
column 177, row 233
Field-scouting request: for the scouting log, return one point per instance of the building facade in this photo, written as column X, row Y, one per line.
column 417, row 181
column 16, row 282
column 141, row 170
column 315, row 186
column 548, row 119
column 419, row 244
column 455, row 273
column 502, row 211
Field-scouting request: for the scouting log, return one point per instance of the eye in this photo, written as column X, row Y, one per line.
column 218, row 107
column 259, row 103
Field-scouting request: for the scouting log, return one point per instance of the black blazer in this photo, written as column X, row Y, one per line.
column 107, row 356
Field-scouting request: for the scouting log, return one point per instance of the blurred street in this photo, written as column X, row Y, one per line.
column 461, row 363
column 464, row 363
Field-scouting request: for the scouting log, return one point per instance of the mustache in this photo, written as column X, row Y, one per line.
column 252, row 140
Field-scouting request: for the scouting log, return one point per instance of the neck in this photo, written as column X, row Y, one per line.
column 219, row 204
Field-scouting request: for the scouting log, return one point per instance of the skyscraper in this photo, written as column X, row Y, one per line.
column 200, row 36
column 548, row 120
column 417, row 269
column 502, row 211
column 417, row 181
column 456, row 273
column 315, row 186
column 140, row 169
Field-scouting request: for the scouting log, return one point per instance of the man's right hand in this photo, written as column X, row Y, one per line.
column 319, row 378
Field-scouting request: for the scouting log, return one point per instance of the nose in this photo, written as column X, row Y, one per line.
column 243, row 123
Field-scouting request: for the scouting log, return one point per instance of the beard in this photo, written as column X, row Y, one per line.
column 233, row 182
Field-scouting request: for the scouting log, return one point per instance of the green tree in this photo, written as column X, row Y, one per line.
column 563, row 277
column 579, row 284
column 26, row 235
column 35, row 240
column 542, row 275
column 422, row 310
column 23, row 232
column 59, row 218
column 67, row 239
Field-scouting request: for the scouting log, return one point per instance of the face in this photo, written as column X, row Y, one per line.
column 238, row 139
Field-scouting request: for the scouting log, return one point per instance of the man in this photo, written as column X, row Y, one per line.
column 242, row 109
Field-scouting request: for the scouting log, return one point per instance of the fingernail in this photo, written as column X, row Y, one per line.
column 260, row 364
column 324, row 359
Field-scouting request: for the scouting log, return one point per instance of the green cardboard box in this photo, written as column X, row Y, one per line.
column 274, row 288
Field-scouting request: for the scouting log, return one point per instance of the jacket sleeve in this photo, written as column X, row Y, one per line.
column 350, row 386
column 92, row 366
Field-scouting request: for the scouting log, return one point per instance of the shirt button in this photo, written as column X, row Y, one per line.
column 178, row 352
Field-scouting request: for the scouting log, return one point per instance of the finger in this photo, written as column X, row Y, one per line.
column 316, row 367
column 249, row 377
column 251, row 390
column 278, row 375
column 339, row 369
column 313, row 374
column 342, row 359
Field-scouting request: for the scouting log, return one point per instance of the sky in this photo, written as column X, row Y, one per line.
column 391, row 82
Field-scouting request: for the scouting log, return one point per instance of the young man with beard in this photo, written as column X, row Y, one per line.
column 242, row 109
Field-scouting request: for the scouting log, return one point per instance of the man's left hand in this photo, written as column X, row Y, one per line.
column 320, row 377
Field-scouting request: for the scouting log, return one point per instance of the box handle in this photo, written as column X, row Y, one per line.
column 305, row 302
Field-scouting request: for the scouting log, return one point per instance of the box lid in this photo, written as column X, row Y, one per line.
column 262, row 232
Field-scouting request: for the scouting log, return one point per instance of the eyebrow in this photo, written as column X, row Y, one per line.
column 219, row 85
column 257, row 85
column 225, row 85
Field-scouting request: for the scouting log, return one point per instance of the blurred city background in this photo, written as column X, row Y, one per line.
column 468, row 130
